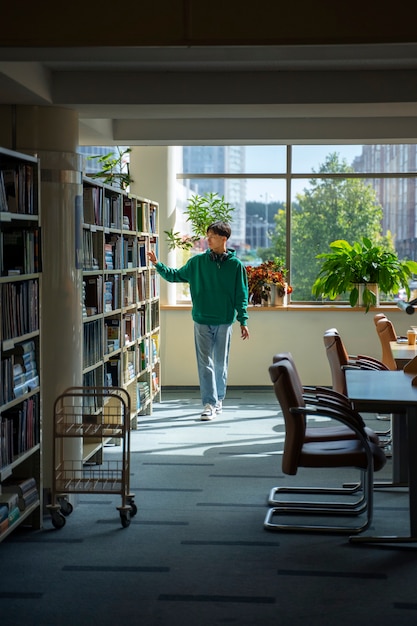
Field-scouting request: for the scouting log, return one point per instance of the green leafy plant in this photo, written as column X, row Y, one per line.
column 363, row 262
column 112, row 168
column 201, row 211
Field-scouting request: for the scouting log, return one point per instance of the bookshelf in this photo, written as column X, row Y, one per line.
column 20, row 398
column 120, row 299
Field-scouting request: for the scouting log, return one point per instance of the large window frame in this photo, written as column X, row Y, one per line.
column 290, row 178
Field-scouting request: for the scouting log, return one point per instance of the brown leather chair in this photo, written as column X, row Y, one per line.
column 340, row 360
column 386, row 333
column 359, row 453
column 323, row 433
column 379, row 316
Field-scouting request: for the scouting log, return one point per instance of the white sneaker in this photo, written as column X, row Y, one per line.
column 208, row 413
column 218, row 407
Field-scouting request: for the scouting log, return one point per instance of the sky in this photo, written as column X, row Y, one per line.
column 271, row 159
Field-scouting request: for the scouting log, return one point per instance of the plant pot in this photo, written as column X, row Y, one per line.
column 373, row 287
column 275, row 299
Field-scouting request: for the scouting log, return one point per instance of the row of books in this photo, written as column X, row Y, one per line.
column 19, row 251
column 129, row 365
column 93, row 343
column 102, row 208
column 112, row 334
column 92, row 205
column 142, row 283
column 143, row 395
column 133, row 327
column 15, row 497
column 153, row 285
column 19, row 372
column 17, row 193
column 19, row 308
column 90, row 251
column 154, row 315
column 113, row 373
column 19, row 430
column 120, row 252
column 117, row 375
column 101, row 295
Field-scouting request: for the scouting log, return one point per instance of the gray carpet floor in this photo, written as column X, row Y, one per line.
column 196, row 552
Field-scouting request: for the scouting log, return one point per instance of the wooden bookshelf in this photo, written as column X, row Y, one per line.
column 20, row 385
column 120, row 297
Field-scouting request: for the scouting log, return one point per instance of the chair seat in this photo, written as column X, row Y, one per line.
column 340, row 454
column 330, row 433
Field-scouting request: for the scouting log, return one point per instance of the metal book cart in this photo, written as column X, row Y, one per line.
column 89, row 418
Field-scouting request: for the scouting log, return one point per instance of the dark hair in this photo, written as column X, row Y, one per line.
column 220, row 228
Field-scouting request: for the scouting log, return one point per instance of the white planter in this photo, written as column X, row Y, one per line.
column 275, row 299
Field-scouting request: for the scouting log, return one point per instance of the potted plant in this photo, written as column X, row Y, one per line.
column 267, row 282
column 201, row 211
column 114, row 168
column 362, row 267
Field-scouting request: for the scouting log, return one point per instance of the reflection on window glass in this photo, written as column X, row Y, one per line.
column 233, row 159
column 307, row 159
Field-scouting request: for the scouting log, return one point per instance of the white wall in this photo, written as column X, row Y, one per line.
column 299, row 331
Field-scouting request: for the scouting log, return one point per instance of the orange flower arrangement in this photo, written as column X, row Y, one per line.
column 261, row 277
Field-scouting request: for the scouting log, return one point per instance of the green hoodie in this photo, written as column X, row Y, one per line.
column 219, row 288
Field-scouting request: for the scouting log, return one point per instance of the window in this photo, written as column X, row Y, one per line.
column 292, row 201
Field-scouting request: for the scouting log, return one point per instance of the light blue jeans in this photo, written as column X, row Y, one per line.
column 212, row 345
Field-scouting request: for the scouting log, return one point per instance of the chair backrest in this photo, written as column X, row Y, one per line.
column 386, row 333
column 379, row 316
column 287, row 356
column 284, row 378
column 338, row 357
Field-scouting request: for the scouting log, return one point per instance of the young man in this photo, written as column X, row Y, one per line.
column 219, row 294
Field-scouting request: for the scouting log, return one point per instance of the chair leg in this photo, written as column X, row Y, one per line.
column 364, row 505
column 318, row 506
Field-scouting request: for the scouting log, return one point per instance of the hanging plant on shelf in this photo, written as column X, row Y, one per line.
column 114, row 168
column 201, row 211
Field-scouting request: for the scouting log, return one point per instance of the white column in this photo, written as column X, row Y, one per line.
column 52, row 134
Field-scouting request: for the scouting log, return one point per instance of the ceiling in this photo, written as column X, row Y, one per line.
column 189, row 94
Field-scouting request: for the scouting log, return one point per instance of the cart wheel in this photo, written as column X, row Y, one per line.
column 58, row 520
column 125, row 518
column 133, row 507
column 66, row 507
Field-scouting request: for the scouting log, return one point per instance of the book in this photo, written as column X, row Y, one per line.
column 113, row 334
column 14, row 515
column 28, row 498
column 11, row 500
column 4, row 512
column 19, row 486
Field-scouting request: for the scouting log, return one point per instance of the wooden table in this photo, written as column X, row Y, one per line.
column 402, row 352
column 390, row 391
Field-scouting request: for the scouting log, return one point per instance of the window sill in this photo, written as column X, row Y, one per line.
column 297, row 307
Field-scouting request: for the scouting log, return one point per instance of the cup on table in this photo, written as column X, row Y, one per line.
column 411, row 336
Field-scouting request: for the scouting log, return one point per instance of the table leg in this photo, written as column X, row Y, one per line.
column 399, row 454
column 411, row 422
